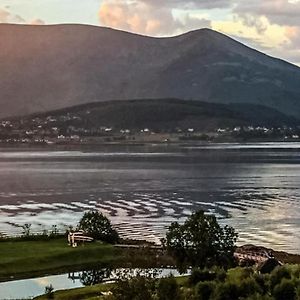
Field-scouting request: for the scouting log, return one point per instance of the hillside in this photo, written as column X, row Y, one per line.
column 159, row 115
column 44, row 68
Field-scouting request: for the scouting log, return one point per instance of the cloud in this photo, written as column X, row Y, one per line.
column 37, row 22
column 285, row 14
column 144, row 17
column 281, row 12
column 190, row 4
column 7, row 17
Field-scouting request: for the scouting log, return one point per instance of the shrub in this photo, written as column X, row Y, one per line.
column 98, row 226
column 205, row 289
column 226, row 291
column 285, row 290
column 198, row 275
column 137, row 288
column 263, row 282
column 248, row 287
column 168, row 289
column 278, row 274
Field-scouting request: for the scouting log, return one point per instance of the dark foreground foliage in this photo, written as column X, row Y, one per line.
column 214, row 284
column 201, row 242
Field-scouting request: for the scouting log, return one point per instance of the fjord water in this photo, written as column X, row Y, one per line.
column 253, row 187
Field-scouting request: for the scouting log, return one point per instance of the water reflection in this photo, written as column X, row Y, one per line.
column 29, row 288
column 91, row 277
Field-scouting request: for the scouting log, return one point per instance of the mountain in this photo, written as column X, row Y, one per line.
column 45, row 68
column 160, row 114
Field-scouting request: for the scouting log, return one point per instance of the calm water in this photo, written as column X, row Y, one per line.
column 29, row 288
column 253, row 187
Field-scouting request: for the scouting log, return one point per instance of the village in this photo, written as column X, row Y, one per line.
column 71, row 128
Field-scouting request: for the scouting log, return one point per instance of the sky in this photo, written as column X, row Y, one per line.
column 271, row 26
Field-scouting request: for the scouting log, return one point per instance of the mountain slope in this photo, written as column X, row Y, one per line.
column 50, row 67
column 161, row 115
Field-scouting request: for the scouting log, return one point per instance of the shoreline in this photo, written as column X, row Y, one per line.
column 19, row 261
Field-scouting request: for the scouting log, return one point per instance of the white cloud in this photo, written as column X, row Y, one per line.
column 8, row 17
column 144, row 17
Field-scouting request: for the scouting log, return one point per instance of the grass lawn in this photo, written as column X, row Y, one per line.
column 93, row 292
column 23, row 259
column 85, row 293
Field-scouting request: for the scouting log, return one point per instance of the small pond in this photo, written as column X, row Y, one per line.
column 29, row 288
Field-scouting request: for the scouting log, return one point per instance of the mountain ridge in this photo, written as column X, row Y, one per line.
column 55, row 66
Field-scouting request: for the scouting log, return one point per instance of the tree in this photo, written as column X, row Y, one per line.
column 201, row 242
column 98, row 226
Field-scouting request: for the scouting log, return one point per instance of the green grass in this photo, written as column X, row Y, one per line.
column 90, row 293
column 93, row 292
column 23, row 259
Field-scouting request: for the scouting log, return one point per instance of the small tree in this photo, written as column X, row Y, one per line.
column 98, row 226
column 49, row 291
column 26, row 229
column 201, row 242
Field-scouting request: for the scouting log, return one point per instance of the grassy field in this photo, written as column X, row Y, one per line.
column 85, row 293
column 23, row 259
column 27, row 259
column 92, row 292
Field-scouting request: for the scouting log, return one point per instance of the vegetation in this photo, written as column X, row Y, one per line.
column 22, row 259
column 96, row 225
column 201, row 242
column 237, row 284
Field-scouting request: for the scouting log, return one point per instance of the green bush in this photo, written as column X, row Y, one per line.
column 137, row 288
column 204, row 290
column 285, row 290
column 278, row 274
column 168, row 289
column 98, row 226
column 263, row 281
column 226, row 291
column 248, row 287
column 198, row 275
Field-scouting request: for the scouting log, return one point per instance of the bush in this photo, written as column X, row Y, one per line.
column 168, row 289
column 205, row 289
column 278, row 274
column 198, row 275
column 249, row 287
column 98, row 226
column 137, row 288
column 262, row 281
column 226, row 291
column 285, row 290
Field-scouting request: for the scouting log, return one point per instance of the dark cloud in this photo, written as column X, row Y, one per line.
column 281, row 12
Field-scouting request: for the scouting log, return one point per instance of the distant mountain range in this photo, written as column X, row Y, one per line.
column 44, row 68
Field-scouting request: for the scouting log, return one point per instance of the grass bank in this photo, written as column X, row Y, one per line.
column 26, row 259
